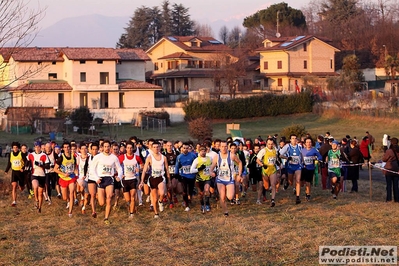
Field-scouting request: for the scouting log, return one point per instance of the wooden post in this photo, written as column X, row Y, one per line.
column 371, row 194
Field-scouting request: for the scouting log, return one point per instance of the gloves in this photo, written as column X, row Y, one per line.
column 289, row 159
column 264, row 166
column 202, row 167
column 38, row 163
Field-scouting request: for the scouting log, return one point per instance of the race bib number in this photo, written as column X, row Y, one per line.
column 171, row 169
column 106, row 170
column 16, row 163
column 333, row 163
column 206, row 171
column 271, row 160
column 295, row 160
column 156, row 172
column 224, row 175
column 186, row 169
column 130, row 169
column 308, row 160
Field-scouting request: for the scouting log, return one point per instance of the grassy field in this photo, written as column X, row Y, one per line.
column 253, row 234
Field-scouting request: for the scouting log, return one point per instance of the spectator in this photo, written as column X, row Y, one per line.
column 391, row 159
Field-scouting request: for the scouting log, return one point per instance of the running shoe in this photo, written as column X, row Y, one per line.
column 39, row 210
column 67, row 206
column 258, row 202
column 175, row 199
column 294, row 190
column 13, row 204
column 76, row 202
column 106, row 221
column 202, row 208
column 334, row 196
column 226, row 214
column 232, row 202
column 156, row 216
column 307, row 197
column 70, row 215
column 165, row 200
column 272, row 204
column 264, row 198
column 243, row 194
column 160, row 205
column 187, row 209
column 298, row 200
column 183, row 204
column 59, row 196
column 151, row 208
column 131, row 216
column 285, row 186
column 140, row 203
column 94, row 215
column 207, row 208
column 36, row 204
column 83, row 210
column 238, row 202
column 171, row 205
column 49, row 202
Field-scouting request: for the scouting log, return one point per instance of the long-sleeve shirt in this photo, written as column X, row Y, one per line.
column 105, row 165
column 183, row 165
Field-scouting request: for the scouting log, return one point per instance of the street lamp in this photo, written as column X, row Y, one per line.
column 385, row 50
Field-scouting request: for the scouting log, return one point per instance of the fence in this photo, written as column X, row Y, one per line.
column 154, row 124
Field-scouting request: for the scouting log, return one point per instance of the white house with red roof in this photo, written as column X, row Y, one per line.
column 110, row 82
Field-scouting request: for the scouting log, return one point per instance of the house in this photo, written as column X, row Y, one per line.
column 286, row 61
column 188, row 63
column 110, row 82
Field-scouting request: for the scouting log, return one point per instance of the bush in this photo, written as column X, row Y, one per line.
column 159, row 115
column 296, row 129
column 256, row 106
column 200, row 128
column 81, row 118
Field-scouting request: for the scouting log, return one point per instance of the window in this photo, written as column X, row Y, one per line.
column 331, row 63
column 121, row 100
column 117, row 75
column 305, row 64
column 265, row 65
column 156, row 66
column 53, row 63
column 83, row 99
column 104, row 78
column 52, row 76
column 82, row 76
column 104, row 100
column 217, row 64
column 99, row 61
column 169, row 65
column 280, row 82
column 39, row 63
column 201, row 64
column 82, row 61
column 60, row 101
column 305, row 47
column 279, row 64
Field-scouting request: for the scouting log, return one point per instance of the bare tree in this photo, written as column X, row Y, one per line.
column 19, row 25
column 203, row 30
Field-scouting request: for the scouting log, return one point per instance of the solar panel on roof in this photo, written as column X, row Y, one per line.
column 297, row 38
column 173, row 39
column 215, row 42
column 286, row 44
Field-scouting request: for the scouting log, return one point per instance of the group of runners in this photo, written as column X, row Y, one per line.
column 99, row 172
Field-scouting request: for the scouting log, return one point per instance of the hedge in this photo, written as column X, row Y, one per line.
column 256, row 106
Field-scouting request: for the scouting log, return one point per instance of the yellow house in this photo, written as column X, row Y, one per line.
column 285, row 62
column 106, row 80
column 187, row 63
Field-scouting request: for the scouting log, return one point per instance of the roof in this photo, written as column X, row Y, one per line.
column 208, row 44
column 32, row 54
column 132, row 54
column 288, row 43
column 192, row 73
column 90, row 53
column 299, row 74
column 137, row 85
column 42, row 86
column 176, row 55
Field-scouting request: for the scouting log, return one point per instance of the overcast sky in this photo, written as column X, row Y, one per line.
column 200, row 10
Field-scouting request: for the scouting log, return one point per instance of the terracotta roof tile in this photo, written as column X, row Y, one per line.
column 208, row 44
column 90, row 53
column 290, row 42
column 135, row 84
column 32, row 54
column 177, row 55
column 45, row 86
column 133, row 54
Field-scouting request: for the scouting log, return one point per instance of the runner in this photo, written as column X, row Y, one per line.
column 200, row 166
column 82, row 161
column 66, row 169
column 292, row 152
column 238, row 179
column 157, row 163
column 16, row 162
column 27, row 171
column 267, row 158
column 38, row 160
column 117, row 184
column 91, row 181
column 334, row 168
column 51, row 176
column 255, row 173
column 224, row 177
column 182, row 168
column 131, row 165
column 176, row 186
column 309, row 155
column 102, row 169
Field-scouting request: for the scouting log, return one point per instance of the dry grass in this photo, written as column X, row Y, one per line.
column 288, row 234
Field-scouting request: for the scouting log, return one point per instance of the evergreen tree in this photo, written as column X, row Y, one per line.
column 166, row 18
column 182, row 25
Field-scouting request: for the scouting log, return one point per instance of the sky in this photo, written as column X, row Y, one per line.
column 200, row 10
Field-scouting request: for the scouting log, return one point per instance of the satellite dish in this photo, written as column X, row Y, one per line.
column 278, row 35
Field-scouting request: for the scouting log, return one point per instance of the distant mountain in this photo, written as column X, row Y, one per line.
column 99, row 31
column 83, row 31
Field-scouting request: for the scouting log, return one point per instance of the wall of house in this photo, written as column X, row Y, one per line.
column 201, row 83
column 321, row 55
column 131, row 70
column 163, row 48
column 272, row 58
column 48, row 99
column 297, row 58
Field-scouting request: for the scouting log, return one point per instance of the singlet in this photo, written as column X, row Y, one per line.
column 130, row 167
column 204, row 175
column 295, row 154
column 37, row 170
column 17, row 162
column 171, row 159
column 51, row 159
column 157, row 167
column 67, row 166
column 334, row 165
column 225, row 168
column 81, row 165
